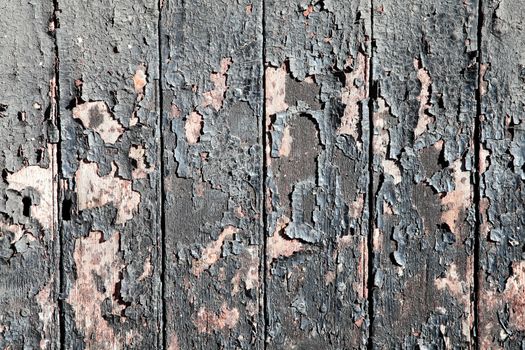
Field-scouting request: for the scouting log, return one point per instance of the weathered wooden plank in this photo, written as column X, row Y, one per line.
column 317, row 122
column 212, row 103
column 424, row 71
column 28, row 206
column 110, row 130
column 502, row 169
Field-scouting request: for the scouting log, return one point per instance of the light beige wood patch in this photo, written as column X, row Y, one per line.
column 96, row 261
column 95, row 191
column 96, row 116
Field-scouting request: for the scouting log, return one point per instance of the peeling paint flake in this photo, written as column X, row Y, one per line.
column 96, row 116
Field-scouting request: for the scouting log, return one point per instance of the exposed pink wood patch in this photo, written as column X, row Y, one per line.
column 354, row 91
column 41, row 179
column 275, row 90
column 424, row 99
column 215, row 97
column 209, row 321
column 193, row 127
column 212, row 252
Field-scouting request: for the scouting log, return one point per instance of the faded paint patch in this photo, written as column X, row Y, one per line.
column 515, row 295
column 391, row 168
column 209, row 321
column 41, row 179
column 46, row 314
column 453, row 284
column 147, row 270
column 211, row 254
column 459, row 289
column 215, row 97
column 94, row 191
column 141, row 169
column 354, row 91
column 458, row 199
column 97, row 264
column 424, row 99
column 278, row 246
column 173, row 342
column 193, row 127
column 286, row 142
column 355, row 209
column 96, row 116
column 249, row 271
column 484, row 159
column 275, row 90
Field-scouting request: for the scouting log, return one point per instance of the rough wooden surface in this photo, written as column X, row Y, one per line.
column 260, row 174
column 424, row 72
column 501, row 165
column 29, row 268
column 212, row 115
column 317, row 140
column 110, row 131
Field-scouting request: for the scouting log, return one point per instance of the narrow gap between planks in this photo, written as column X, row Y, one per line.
column 160, row 103
column 372, row 96
column 264, row 140
column 57, row 182
column 477, row 178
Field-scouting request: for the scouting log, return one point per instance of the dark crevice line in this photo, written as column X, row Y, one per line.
column 264, row 139
column 372, row 96
column 163, row 334
column 477, row 179
column 59, row 191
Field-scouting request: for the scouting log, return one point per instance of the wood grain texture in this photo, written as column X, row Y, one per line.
column 267, row 174
column 425, row 72
column 110, row 129
column 501, row 165
column 29, row 268
column 317, row 122
column 212, row 103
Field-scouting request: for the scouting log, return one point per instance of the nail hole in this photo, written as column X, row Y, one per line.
column 67, row 204
column 26, row 201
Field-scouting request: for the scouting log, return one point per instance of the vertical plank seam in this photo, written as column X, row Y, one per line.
column 163, row 341
column 56, row 182
column 264, row 179
column 477, row 179
column 372, row 96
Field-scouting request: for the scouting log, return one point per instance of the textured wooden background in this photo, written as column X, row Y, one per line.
column 241, row 174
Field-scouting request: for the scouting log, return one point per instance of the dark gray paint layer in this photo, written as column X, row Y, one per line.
column 109, row 116
column 28, row 222
column 212, row 103
column 502, row 161
column 425, row 73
